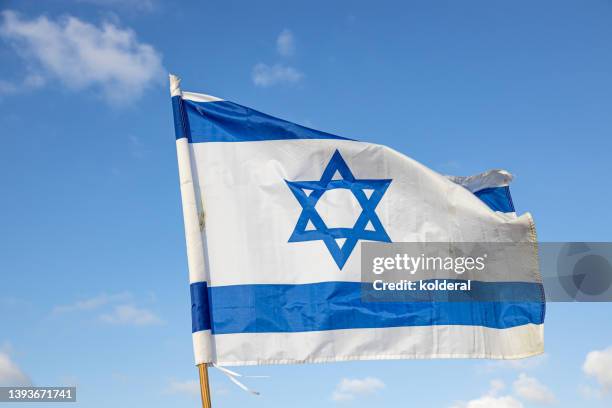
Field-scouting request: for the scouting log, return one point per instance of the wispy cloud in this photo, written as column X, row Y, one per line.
column 532, row 390
column 285, row 43
column 7, row 88
column 137, row 147
column 266, row 75
column 598, row 364
column 93, row 303
column 27, row 83
column 189, row 387
column 114, row 308
column 81, row 55
column 10, row 373
column 589, row 392
column 349, row 388
column 139, row 5
column 131, row 315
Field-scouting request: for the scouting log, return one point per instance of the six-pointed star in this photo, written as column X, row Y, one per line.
column 367, row 227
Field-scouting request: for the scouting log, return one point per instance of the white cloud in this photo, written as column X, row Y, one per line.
column 10, row 373
column 589, row 392
column 130, row 315
column 267, row 75
column 492, row 399
column 530, row 389
column 81, row 55
column 525, row 387
column 488, row 401
column 140, row 5
column 285, row 43
column 349, row 388
column 598, row 364
column 93, row 303
column 189, row 387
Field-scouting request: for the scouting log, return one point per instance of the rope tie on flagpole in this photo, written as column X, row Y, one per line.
column 232, row 377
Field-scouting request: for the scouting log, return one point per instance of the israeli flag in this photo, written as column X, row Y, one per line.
column 274, row 216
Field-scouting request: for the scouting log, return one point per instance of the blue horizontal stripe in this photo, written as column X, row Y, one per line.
column 267, row 308
column 497, row 198
column 225, row 121
column 181, row 125
column 200, row 307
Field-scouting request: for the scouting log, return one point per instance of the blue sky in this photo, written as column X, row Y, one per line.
column 94, row 277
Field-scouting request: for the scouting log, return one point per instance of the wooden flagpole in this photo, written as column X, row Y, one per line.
column 193, row 228
column 204, row 386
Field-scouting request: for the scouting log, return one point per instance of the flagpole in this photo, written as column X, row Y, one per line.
column 191, row 215
column 204, row 386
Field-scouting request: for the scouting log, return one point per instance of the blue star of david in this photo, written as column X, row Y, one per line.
column 367, row 227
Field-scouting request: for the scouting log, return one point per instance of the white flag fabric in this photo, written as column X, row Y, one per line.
column 274, row 214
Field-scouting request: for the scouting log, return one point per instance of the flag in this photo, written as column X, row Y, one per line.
column 274, row 216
